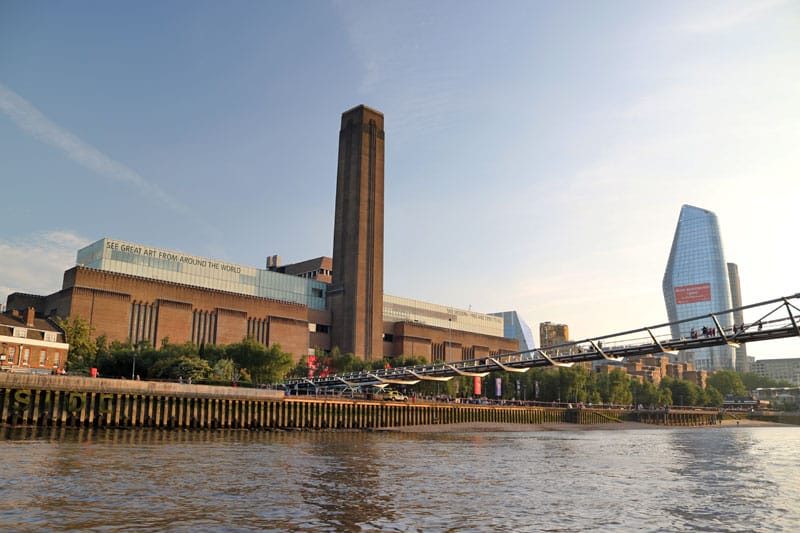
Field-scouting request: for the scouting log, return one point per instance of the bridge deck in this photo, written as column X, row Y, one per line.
column 618, row 347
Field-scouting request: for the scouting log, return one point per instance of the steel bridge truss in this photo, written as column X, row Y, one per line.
column 777, row 319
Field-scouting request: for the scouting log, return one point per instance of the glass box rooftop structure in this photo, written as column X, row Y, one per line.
column 397, row 309
column 168, row 265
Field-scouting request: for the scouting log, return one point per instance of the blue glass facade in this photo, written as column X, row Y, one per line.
column 696, row 283
column 516, row 328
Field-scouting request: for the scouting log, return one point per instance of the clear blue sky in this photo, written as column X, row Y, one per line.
column 537, row 153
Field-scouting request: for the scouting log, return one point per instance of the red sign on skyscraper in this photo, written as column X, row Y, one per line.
column 689, row 294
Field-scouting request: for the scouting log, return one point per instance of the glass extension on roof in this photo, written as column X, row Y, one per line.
column 397, row 309
column 168, row 265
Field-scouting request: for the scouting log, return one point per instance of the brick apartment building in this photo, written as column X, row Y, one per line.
column 31, row 343
column 654, row 368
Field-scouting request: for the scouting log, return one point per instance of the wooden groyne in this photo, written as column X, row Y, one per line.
column 64, row 401
column 675, row 418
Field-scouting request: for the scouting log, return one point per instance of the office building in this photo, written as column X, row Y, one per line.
column 516, row 328
column 742, row 362
column 696, row 284
column 551, row 334
column 787, row 369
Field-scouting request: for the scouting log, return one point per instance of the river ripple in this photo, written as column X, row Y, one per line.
column 716, row 479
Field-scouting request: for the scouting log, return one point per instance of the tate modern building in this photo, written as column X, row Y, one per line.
column 142, row 293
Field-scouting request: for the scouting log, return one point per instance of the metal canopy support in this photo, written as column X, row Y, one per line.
column 429, row 378
column 470, row 374
column 315, row 385
column 508, row 368
column 791, row 316
column 660, row 346
column 722, row 332
column 603, row 354
column 395, row 381
column 553, row 362
column 353, row 385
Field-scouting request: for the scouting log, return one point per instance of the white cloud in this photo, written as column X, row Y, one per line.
column 725, row 15
column 32, row 121
column 35, row 263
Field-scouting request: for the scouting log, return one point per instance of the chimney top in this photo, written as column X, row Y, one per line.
column 30, row 315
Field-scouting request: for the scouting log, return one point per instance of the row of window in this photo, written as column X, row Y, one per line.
column 142, row 325
column 312, row 273
column 258, row 329
column 23, row 357
column 204, row 327
column 22, row 333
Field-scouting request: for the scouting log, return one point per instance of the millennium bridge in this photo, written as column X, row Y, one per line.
column 61, row 402
column 769, row 320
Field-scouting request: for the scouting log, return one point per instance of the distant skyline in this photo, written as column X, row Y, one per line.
column 550, row 146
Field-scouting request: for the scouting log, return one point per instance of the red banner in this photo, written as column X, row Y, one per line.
column 689, row 294
column 476, row 385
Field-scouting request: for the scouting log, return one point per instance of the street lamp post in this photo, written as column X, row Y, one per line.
column 133, row 370
column 449, row 336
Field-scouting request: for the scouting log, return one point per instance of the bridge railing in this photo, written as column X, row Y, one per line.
column 776, row 318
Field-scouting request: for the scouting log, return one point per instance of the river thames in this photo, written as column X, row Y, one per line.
column 712, row 479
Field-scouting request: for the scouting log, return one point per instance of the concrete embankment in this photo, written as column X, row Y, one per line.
column 66, row 401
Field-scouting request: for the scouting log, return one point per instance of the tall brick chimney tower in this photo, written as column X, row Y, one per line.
column 355, row 296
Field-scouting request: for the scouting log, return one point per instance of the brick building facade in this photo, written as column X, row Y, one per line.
column 31, row 343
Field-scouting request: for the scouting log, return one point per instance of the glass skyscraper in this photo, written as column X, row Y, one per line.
column 742, row 365
column 696, row 283
column 516, row 328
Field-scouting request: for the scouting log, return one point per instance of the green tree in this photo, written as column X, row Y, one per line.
column 646, row 394
column 264, row 365
column 116, row 360
column 82, row 347
column 549, row 384
column 572, row 383
column 619, row 390
column 224, row 370
column 301, row 369
column 665, row 396
column 274, row 367
column 339, row 362
column 212, row 353
column 181, row 367
column 685, row 393
column 727, row 382
column 752, row 381
column 713, row 398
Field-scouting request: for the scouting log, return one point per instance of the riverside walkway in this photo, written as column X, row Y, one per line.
column 64, row 402
column 68, row 401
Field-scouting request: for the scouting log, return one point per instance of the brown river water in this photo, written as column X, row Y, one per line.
column 712, row 479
